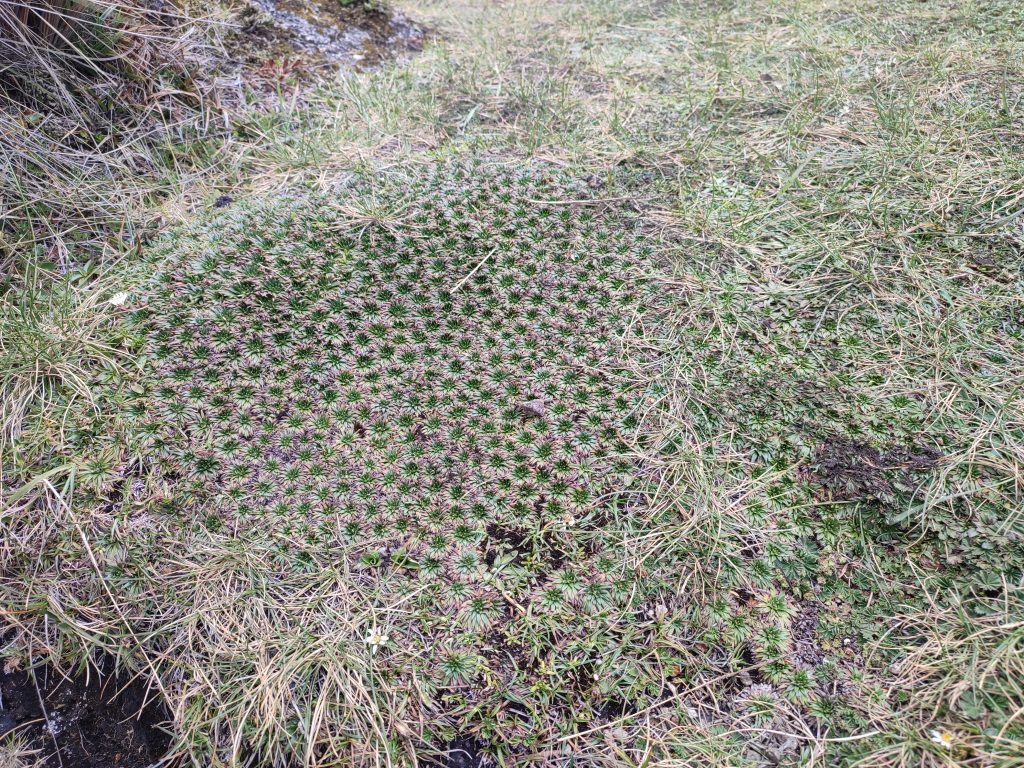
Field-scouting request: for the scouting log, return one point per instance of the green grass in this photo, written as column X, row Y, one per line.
column 818, row 557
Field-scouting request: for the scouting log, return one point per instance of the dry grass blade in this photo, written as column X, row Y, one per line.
column 14, row 753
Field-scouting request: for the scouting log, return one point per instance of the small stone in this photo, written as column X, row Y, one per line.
column 531, row 409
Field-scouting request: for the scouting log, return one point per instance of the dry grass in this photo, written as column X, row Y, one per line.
column 93, row 96
column 15, row 754
column 53, row 340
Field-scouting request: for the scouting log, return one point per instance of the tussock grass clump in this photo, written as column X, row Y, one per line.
column 962, row 656
column 94, row 96
column 14, row 754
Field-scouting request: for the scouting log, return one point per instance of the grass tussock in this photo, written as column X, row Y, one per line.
column 53, row 339
column 821, row 561
column 93, row 96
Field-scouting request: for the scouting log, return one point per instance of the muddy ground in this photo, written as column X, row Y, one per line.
column 305, row 35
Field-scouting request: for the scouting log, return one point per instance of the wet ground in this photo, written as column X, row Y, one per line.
column 84, row 721
column 318, row 33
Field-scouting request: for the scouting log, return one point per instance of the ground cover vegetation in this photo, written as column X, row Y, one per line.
column 619, row 383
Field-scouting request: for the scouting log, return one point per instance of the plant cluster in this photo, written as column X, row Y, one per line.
column 93, row 96
column 435, row 400
column 820, row 562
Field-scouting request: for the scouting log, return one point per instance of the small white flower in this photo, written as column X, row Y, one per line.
column 375, row 638
column 943, row 738
column 118, row 299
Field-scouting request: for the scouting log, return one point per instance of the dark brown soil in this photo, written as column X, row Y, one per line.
column 806, row 649
column 464, row 752
column 85, row 721
column 852, row 470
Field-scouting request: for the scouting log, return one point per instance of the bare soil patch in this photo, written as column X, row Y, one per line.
column 851, row 469
column 86, row 721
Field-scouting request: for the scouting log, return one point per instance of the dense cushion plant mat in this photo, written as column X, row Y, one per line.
column 412, row 466
column 426, row 403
